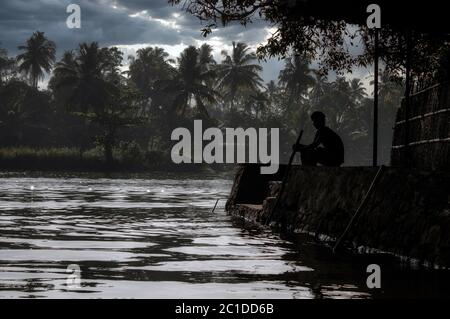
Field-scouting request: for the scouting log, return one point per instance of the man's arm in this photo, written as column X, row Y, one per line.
column 314, row 144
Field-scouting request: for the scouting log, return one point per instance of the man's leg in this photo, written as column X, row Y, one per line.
column 326, row 158
column 308, row 157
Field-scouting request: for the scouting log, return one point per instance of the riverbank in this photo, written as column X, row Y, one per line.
column 407, row 214
column 72, row 160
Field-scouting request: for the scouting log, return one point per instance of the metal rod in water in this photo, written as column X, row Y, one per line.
column 217, row 201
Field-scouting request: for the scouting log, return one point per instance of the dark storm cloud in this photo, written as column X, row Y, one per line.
column 120, row 22
column 100, row 22
column 155, row 23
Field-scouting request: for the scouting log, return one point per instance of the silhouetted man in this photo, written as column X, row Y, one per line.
column 326, row 149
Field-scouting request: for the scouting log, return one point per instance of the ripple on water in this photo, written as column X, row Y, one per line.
column 248, row 266
column 58, row 255
column 142, row 238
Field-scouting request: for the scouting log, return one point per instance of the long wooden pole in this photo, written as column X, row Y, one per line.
column 285, row 177
column 407, row 95
column 375, row 103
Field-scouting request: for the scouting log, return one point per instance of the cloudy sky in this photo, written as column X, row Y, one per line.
column 128, row 24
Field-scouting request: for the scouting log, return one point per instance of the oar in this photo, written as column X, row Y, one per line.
column 360, row 208
column 286, row 173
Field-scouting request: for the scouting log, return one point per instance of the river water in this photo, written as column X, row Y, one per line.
column 155, row 236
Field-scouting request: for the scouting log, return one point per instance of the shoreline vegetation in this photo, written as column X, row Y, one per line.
column 93, row 115
column 67, row 159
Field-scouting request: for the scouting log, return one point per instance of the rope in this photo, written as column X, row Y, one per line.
column 358, row 211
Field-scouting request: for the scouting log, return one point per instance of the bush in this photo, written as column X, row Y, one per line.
column 155, row 158
column 131, row 152
column 25, row 158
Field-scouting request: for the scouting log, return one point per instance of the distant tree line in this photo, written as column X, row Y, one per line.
column 92, row 104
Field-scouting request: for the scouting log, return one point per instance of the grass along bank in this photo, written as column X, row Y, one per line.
column 71, row 159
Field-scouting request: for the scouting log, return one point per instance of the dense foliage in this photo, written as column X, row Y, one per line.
column 92, row 105
column 339, row 40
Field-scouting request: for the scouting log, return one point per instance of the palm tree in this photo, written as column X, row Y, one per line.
column 357, row 90
column 7, row 67
column 91, row 85
column 273, row 95
column 320, row 86
column 150, row 66
column 338, row 103
column 83, row 77
column 389, row 89
column 296, row 77
column 295, row 80
column 190, row 83
column 66, row 63
column 237, row 73
column 272, row 88
column 260, row 101
column 206, row 58
column 23, row 112
column 38, row 57
column 207, row 63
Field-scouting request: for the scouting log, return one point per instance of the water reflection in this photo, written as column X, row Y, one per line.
column 152, row 238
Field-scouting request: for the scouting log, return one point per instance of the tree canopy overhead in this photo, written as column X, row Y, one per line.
column 330, row 30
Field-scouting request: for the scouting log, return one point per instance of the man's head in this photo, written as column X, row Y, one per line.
column 318, row 119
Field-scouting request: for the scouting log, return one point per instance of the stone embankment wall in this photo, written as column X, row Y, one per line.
column 407, row 214
column 422, row 131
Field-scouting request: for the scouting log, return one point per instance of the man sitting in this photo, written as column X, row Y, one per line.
column 327, row 148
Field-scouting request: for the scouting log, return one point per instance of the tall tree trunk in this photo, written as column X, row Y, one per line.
column 232, row 97
column 232, row 103
column 34, row 82
column 108, row 147
column 108, row 154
